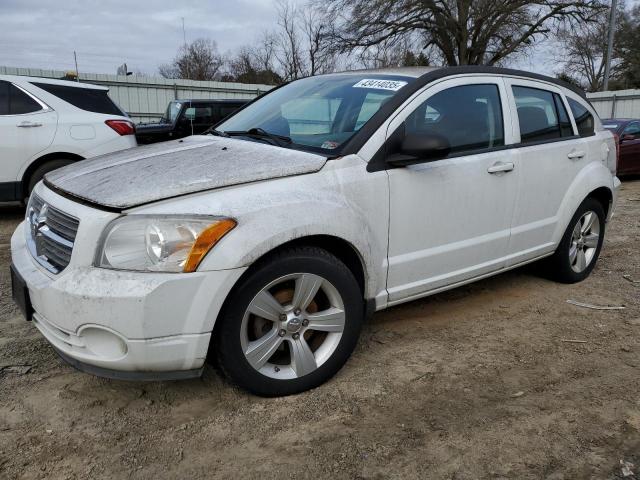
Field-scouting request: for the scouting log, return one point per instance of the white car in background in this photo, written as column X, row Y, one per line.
column 46, row 124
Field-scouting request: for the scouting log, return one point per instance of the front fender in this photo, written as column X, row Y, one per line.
column 257, row 235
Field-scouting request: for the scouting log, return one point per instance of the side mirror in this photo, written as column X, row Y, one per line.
column 420, row 148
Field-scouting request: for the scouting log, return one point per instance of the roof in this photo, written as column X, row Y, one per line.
column 429, row 74
column 213, row 100
column 415, row 72
column 66, row 83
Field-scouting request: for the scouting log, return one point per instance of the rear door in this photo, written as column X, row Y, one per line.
column 551, row 154
column 27, row 127
column 630, row 149
column 450, row 218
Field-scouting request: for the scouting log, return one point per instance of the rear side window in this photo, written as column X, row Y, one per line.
column 20, row 102
column 90, row 100
column 542, row 115
column 469, row 117
column 4, row 98
column 584, row 119
column 14, row 101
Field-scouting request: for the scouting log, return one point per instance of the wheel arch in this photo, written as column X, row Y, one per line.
column 603, row 195
column 38, row 162
column 346, row 252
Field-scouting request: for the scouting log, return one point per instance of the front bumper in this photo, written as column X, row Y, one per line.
column 149, row 325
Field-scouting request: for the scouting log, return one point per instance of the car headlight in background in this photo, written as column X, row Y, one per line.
column 160, row 243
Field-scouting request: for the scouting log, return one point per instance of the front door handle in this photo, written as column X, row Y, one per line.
column 576, row 155
column 501, row 167
column 29, row 125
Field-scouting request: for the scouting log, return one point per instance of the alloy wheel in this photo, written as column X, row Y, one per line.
column 584, row 241
column 292, row 326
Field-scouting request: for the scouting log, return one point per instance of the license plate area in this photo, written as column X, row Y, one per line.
column 20, row 294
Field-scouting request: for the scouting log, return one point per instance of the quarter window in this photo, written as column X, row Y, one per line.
column 541, row 114
column 584, row 119
column 88, row 99
column 469, row 117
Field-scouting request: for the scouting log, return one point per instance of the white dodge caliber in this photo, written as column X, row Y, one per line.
column 265, row 243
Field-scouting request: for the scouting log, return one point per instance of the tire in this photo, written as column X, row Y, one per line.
column 563, row 265
column 39, row 173
column 290, row 278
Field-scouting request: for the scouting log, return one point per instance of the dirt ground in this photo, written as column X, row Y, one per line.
column 479, row 382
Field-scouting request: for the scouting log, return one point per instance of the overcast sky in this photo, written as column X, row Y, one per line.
column 106, row 33
column 145, row 34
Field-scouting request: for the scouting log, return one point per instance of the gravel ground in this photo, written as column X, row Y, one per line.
column 478, row 382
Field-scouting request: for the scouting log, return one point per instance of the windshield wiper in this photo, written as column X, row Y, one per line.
column 262, row 134
column 217, row 133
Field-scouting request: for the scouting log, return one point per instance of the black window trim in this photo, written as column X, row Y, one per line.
column 43, row 106
column 593, row 114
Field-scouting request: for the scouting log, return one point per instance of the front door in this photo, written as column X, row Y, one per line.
column 450, row 218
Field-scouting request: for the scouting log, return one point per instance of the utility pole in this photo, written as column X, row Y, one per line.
column 184, row 33
column 612, row 29
column 75, row 59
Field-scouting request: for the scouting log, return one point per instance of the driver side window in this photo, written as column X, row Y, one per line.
column 469, row 117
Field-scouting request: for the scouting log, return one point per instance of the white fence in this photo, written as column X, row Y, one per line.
column 618, row 104
column 146, row 98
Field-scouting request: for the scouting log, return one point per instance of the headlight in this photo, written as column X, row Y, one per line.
column 160, row 243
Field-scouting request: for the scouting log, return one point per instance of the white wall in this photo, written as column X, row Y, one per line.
column 618, row 104
column 145, row 98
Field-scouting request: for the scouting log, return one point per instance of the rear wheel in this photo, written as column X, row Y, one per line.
column 291, row 324
column 580, row 246
column 39, row 173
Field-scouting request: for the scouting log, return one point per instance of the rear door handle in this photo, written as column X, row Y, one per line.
column 576, row 155
column 29, row 125
column 501, row 167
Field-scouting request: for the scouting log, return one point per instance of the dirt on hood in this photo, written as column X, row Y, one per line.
column 146, row 174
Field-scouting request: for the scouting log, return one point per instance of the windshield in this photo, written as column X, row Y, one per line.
column 318, row 112
column 172, row 112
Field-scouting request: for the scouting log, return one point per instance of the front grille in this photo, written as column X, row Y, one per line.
column 51, row 234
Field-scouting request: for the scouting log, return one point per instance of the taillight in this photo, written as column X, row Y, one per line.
column 122, row 127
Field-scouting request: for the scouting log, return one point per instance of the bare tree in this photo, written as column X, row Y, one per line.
column 250, row 65
column 583, row 48
column 459, row 32
column 289, row 52
column 198, row 60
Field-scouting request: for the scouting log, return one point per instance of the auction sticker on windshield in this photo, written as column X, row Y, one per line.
column 393, row 85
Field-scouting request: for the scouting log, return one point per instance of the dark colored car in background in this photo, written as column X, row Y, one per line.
column 186, row 117
column 628, row 131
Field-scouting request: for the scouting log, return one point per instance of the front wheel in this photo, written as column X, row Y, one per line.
column 580, row 246
column 291, row 324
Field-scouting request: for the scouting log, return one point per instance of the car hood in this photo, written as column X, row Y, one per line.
column 154, row 172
